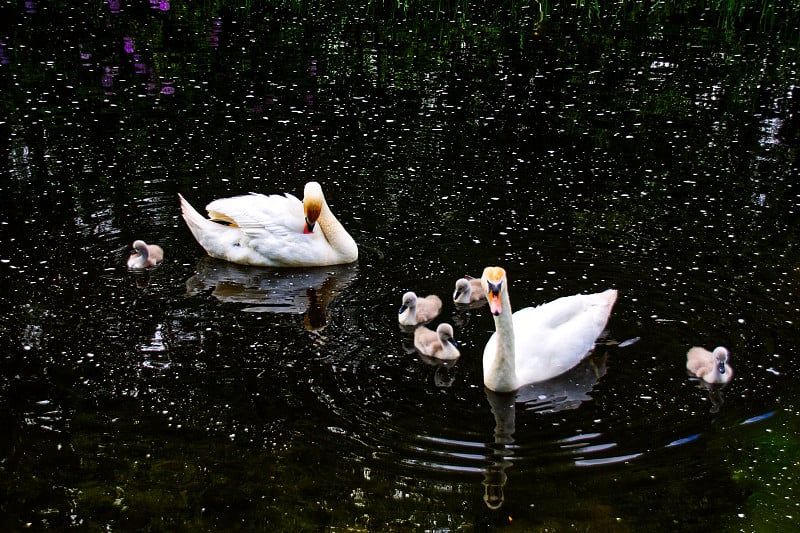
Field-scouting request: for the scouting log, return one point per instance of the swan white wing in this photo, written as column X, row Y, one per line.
column 259, row 215
column 270, row 230
column 587, row 310
column 554, row 337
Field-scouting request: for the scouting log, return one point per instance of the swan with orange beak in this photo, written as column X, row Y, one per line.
column 539, row 343
column 272, row 231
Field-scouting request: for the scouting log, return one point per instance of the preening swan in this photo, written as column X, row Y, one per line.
column 538, row 343
column 439, row 344
column 145, row 255
column 468, row 291
column 274, row 230
column 712, row 367
column 416, row 310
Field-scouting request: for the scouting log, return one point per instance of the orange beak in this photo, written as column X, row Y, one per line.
column 493, row 296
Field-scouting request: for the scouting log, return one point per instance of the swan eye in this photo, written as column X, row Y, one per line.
column 494, row 288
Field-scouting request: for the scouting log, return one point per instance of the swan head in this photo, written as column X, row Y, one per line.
column 720, row 354
column 409, row 301
column 312, row 205
column 493, row 281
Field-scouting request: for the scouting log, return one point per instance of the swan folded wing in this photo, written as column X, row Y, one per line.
column 557, row 335
column 257, row 215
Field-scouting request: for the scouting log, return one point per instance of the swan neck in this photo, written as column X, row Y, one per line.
column 334, row 232
column 503, row 370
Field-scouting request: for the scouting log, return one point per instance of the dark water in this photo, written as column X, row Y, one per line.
column 656, row 156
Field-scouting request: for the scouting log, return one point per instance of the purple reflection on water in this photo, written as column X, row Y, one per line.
column 107, row 79
column 3, row 54
column 30, row 7
column 128, row 44
column 167, row 88
column 216, row 31
column 161, row 5
column 85, row 58
column 114, row 6
column 312, row 67
column 139, row 66
column 259, row 107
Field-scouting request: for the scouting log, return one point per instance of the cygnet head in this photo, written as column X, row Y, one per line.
column 141, row 247
column 462, row 291
column 445, row 332
column 721, row 356
column 409, row 301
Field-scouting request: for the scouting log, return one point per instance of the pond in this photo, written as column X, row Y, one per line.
column 654, row 153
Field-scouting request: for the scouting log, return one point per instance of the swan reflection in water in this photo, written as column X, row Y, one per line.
column 566, row 391
column 306, row 291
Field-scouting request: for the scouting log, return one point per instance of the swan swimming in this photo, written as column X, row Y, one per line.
column 468, row 291
column 439, row 344
column 415, row 310
column 145, row 255
column 711, row 367
column 538, row 343
column 273, row 231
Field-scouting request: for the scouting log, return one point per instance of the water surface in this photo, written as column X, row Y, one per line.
column 654, row 156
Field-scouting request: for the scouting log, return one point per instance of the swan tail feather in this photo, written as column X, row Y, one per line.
column 610, row 297
column 193, row 219
column 206, row 232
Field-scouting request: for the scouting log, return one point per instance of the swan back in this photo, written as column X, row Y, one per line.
column 711, row 367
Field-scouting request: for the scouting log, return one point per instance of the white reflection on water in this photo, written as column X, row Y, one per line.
column 495, row 458
column 306, row 291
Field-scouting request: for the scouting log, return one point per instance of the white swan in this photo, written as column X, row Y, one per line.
column 468, row 291
column 712, row 367
column 539, row 343
column 416, row 310
column 439, row 344
column 274, row 230
column 145, row 255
